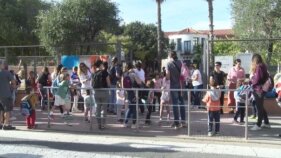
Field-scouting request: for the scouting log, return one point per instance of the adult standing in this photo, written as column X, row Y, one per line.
column 115, row 75
column 43, row 80
column 85, row 79
column 173, row 74
column 219, row 77
column 235, row 73
column 197, row 85
column 260, row 75
column 130, row 75
column 100, row 81
column 6, row 102
column 141, row 75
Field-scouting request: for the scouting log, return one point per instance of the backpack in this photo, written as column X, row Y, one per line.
column 268, row 85
column 127, row 81
column 97, row 79
column 183, row 70
column 26, row 108
column 55, row 83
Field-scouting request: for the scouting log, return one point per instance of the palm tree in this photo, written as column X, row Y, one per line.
column 159, row 31
column 211, row 33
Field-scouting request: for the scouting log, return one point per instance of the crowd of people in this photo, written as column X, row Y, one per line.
column 90, row 85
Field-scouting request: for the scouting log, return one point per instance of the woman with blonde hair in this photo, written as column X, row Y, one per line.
column 260, row 75
column 84, row 74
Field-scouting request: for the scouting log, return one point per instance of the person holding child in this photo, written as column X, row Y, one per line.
column 212, row 100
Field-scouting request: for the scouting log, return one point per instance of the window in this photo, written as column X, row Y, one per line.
column 187, row 46
column 195, row 41
column 179, row 45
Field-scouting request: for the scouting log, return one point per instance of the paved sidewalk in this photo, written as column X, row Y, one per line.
column 229, row 131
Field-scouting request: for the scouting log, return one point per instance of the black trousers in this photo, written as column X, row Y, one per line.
column 262, row 114
column 240, row 111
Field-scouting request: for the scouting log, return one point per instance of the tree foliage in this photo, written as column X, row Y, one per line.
column 74, row 22
column 226, row 48
column 18, row 21
column 257, row 19
column 143, row 40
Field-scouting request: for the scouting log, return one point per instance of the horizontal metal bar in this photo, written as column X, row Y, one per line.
column 243, row 40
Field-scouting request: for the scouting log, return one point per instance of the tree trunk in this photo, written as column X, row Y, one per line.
column 269, row 53
column 211, row 33
column 159, row 32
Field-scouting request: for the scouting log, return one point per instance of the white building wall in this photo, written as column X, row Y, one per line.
column 186, row 37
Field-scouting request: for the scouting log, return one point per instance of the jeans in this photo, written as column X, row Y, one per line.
column 112, row 103
column 262, row 114
column 101, row 98
column 197, row 95
column 176, row 99
column 222, row 101
column 240, row 111
column 131, row 112
column 44, row 97
column 213, row 116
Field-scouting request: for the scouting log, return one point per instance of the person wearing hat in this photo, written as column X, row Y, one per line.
column 235, row 73
column 219, row 76
column 114, row 75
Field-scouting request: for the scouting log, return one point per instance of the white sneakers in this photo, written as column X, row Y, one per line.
column 263, row 125
column 210, row 134
column 257, row 128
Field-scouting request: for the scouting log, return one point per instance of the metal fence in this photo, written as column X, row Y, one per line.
column 192, row 121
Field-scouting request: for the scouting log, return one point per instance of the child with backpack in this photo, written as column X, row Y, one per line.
column 212, row 100
column 120, row 101
column 240, row 95
column 89, row 105
column 28, row 105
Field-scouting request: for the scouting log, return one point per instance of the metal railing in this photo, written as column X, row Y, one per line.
column 137, row 104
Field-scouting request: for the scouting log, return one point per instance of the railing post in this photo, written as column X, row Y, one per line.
column 48, row 96
column 246, row 123
column 188, row 112
column 137, row 109
column 91, row 106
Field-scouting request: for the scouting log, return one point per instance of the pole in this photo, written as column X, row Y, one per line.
column 246, row 124
column 188, row 112
column 91, row 106
column 48, row 96
column 137, row 109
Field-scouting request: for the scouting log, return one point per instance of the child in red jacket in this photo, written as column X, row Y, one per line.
column 212, row 100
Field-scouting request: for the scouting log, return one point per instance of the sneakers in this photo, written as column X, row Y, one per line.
column 8, row 127
column 235, row 122
column 175, row 126
column 51, row 117
column 263, row 125
column 183, row 125
column 255, row 128
column 125, row 125
column 134, row 126
column 217, row 134
column 210, row 134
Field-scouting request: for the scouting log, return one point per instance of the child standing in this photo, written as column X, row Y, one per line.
column 278, row 91
column 165, row 98
column 89, row 105
column 30, row 99
column 150, row 99
column 212, row 100
column 240, row 97
column 120, row 101
column 62, row 96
